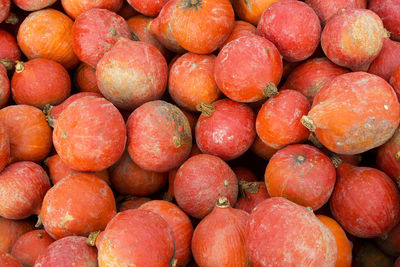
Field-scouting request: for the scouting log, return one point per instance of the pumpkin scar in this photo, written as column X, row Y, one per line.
column 66, row 218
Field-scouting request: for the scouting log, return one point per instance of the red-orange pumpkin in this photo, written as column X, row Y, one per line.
column 9, row 51
column 32, row 5
column 4, row 86
column 8, row 260
column 133, row 203
column 241, row 28
column 4, row 9
column 10, row 231
column 251, row 194
column 387, row 60
column 262, row 150
column 388, row 157
column 251, row 10
column 148, row 7
column 395, row 81
column 85, row 79
column 76, row 7
column 244, row 174
column 326, row 9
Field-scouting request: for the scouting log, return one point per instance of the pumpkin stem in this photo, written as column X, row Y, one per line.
column 174, row 263
column 49, row 118
column 91, row 240
column 134, row 36
column 270, row 90
column 386, row 33
column 384, row 236
column 308, row 123
column 251, row 187
column 223, row 203
column 206, row 109
column 8, row 64
column 300, row 159
column 19, row 66
column 397, row 156
column 194, row 2
column 336, row 160
column 310, row 209
column 314, row 140
column 39, row 222
column 12, row 19
column 167, row 197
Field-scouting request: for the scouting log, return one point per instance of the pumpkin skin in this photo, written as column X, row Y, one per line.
column 32, row 5
column 251, row 11
column 387, row 158
column 140, row 26
column 353, row 113
column 228, row 132
column 133, row 203
column 75, row 135
column 159, row 136
column 4, row 86
column 390, row 242
column 241, row 28
column 148, row 7
column 39, row 82
column 252, row 193
column 37, row 39
column 326, row 9
column 76, row 7
column 191, row 81
column 387, row 60
column 58, row 170
column 374, row 191
column 137, row 237
column 161, row 28
column 85, row 79
column 386, row 10
column 28, row 132
column 200, row 181
column 262, row 150
column 180, row 224
column 344, row 245
column 277, row 126
column 4, row 9
column 395, row 81
column 8, row 260
column 131, row 74
column 219, row 239
column 282, row 233
column 10, row 231
column 244, row 174
column 95, row 32
column 30, row 245
column 202, row 26
column 68, row 251
column 24, row 185
column 302, row 174
column 300, row 24
column 128, row 178
column 312, row 75
column 77, row 205
column 256, row 65
column 9, row 51
column 353, row 38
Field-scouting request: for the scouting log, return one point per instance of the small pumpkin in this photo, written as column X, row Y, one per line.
column 76, row 7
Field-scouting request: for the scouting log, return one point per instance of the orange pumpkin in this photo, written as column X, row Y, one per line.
column 241, row 28
column 37, row 39
column 10, row 231
column 251, row 10
column 76, row 7
column 85, row 79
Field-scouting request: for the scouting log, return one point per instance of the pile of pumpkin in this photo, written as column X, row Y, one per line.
column 152, row 133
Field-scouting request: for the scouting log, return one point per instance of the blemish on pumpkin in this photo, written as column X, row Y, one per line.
column 397, row 156
column 113, row 32
column 177, row 141
column 300, row 159
column 226, row 183
column 67, row 218
column 64, row 135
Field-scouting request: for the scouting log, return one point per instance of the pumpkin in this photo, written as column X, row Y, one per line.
column 77, row 205
column 277, row 126
column 244, row 174
column 24, row 185
column 219, row 239
column 128, row 178
column 395, row 81
column 225, row 128
column 159, row 136
column 370, row 189
column 140, row 26
column 76, row 7
column 87, row 123
column 353, row 113
column 10, row 231
column 9, row 51
column 8, row 260
column 136, row 237
column 95, row 32
column 293, row 27
column 28, row 132
column 4, row 86
column 388, row 156
column 37, row 39
column 387, row 60
column 262, row 150
column 4, row 9
column 251, row 194
column 251, row 10
column 256, row 65
column 30, row 245
column 133, row 203
column 131, row 74
column 241, row 28
column 32, row 5
column 191, row 81
column 202, row 26
column 344, row 245
column 68, row 251
column 390, row 242
column 39, row 82
column 200, row 181
column 180, row 224
column 353, row 38
column 326, row 9
column 312, row 75
column 386, row 10
column 282, row 233
column 85, row 79
column 148, row 7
